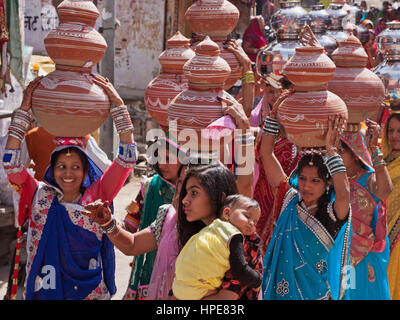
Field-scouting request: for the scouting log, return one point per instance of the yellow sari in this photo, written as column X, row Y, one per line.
column 393, row 217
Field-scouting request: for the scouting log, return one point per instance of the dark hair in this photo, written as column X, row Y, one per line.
column 232, row 200
column 323, row 173
column 82, row 156
column 216, row 180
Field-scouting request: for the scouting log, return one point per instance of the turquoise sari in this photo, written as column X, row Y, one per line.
column 303, row 261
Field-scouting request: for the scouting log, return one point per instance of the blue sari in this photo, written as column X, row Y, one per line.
column 303, row 261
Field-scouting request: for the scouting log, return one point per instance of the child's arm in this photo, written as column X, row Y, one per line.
column 240, row 269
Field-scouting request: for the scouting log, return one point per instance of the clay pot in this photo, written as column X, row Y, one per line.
column 310, row 67
column 171, row 81
column 198, row 106
column 70, row 104
column 304, row 114
column 214, row 18
column 361, row 90
column 80, row 11
column 75, row 42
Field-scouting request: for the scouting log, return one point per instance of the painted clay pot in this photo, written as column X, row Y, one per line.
column 81, row 11
column 75, row 42
column 310, row 67
column 361, row 90
column 214, row 18
column 198, row 106
column 171, row 81
column 70, row 104
column 304, row 114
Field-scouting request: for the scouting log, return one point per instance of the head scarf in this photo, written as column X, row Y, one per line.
column 355, row 141
column 255, row 34
column 378, row 28
column 94, row 172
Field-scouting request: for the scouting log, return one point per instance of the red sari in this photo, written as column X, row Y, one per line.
column 288, row 157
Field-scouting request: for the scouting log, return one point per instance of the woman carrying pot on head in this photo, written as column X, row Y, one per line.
column 391, row 153
column 68, row 256
column 370, row 186
column 307, row 256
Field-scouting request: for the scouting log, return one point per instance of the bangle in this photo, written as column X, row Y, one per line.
column 377, row 153
column 122, row 119
column 248, row 77
column 375, row 164
column 335, row 165
column 271, row 126
column 20, row 124
column 110, row 227
column 245, row 140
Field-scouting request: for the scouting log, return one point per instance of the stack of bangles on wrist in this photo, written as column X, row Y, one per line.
column 335, row 164
column 245, row 140
column 20, row 124
column 110, row 227
column 122, row 118
column 248, row 77
column 271, row 126
column 377, row 158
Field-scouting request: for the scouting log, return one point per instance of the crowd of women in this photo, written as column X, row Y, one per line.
column 301, row 225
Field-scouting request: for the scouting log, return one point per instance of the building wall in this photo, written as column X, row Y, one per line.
column 139, row 40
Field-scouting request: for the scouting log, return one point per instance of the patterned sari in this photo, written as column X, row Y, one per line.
column 369, row 251
column 393, row 216
column 303, row 261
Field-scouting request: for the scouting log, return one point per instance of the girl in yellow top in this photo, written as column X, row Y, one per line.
column 217, row 246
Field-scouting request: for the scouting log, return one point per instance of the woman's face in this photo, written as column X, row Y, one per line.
column 347, row 156
column 311, row 186
column 169, row 165
column 69, row 174
column 196, row 203
column 393, row 133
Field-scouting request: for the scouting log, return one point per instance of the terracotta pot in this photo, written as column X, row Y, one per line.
column 198, row 106
column 171, row 81
column 304, row 114
column 309, row 67
column 215, row 18
column 70, row 104
column 81, row 11
column 207, row 70
column 75, row 42
column 361, row 90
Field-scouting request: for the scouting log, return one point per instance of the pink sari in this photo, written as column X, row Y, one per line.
column 164, row 266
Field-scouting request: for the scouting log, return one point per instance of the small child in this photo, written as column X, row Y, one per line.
column 218, row 247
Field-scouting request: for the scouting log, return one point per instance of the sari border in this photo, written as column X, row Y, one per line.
column 316, row 227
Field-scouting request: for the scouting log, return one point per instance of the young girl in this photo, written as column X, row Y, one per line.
column 218, row 247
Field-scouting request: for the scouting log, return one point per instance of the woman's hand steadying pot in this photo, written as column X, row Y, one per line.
column 236, row 111
column 112, row 93
column 336, row 126
column 27, row 98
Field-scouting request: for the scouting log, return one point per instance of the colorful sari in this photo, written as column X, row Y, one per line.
column 68, row 255
column 303, row 261
column 156, row 192
column 288, row 157
column 393, row 217
column 369, row 251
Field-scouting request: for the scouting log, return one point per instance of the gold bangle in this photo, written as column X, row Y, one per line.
column 248, row 77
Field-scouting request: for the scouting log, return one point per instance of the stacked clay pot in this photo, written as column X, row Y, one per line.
column 67, row 102
column 216, row 19
column 361, row 90
column 304, row 114
column 171, row 81
column 198, row 106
